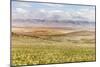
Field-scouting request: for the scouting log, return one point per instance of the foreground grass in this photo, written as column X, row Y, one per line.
column 32, row 51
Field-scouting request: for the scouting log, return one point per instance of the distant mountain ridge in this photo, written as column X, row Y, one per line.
column 54, row 23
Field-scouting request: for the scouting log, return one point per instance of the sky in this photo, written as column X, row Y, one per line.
column 50, row 11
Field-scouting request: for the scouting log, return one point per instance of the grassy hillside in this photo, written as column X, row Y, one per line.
column 33, row 49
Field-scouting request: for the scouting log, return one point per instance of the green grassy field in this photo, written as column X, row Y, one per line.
column 34, row 50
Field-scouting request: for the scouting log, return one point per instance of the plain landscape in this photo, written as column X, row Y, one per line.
column 32, row 46
column 44, row 33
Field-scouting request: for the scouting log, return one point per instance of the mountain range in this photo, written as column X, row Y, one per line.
column 52, row 23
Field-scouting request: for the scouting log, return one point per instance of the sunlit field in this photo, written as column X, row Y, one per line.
column 28, row 49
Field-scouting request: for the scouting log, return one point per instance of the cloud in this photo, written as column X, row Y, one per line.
column 89, row 14
column 56, row 11
column 20, row 10
column 25, row 10
column 42, row 10
column 51, row 14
